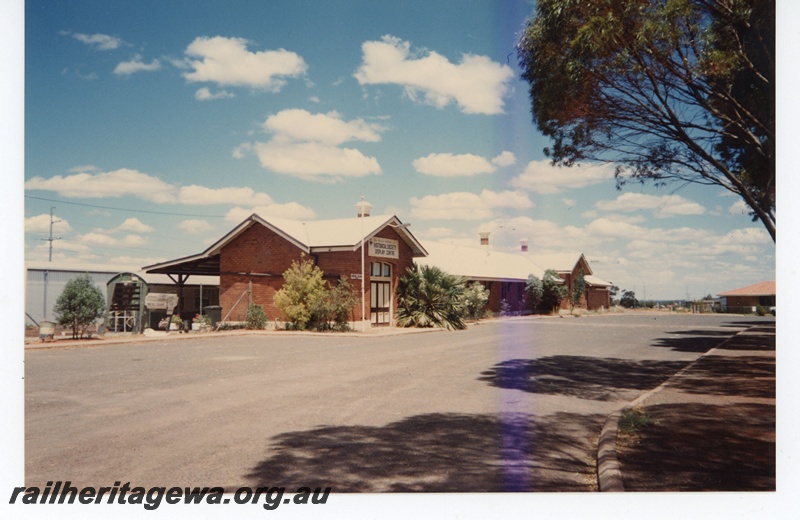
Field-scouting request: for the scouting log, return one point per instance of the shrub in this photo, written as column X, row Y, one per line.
column 79, row 305
column 476, row 297
column 256, row 318
column 302, row 290
column 429, row 297
column 553, row 291
column 334, row 309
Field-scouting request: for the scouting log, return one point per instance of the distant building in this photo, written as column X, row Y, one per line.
column 505, row 274
column 746, row 299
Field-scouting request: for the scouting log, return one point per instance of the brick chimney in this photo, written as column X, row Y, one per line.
column 523, row 245
column 484, row 238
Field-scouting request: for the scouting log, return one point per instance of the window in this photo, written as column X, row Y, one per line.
column 380, row 270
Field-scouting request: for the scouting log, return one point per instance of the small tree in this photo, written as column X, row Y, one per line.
column 302, row 291
column 334, row 309
column 476, row 297
column 80, row 304
column 628, row 299
column 534, row 292
column 578, row 288
column 553, row 291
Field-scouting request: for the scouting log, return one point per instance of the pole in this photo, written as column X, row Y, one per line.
column 363, row 292
column 49, row 259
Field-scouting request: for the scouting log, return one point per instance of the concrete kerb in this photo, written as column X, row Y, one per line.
column 609, row 475
column 140, row 338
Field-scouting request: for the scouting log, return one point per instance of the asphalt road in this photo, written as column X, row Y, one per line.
column 507, row 405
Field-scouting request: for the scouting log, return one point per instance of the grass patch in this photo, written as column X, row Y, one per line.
column 633, row 420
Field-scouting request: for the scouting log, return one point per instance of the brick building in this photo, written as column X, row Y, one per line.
column 250, row 261
column 505, row 274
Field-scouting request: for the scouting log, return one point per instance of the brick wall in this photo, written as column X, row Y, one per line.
column 261, row 256
column 265, row 256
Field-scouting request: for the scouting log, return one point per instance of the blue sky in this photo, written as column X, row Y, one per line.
column 153, row 128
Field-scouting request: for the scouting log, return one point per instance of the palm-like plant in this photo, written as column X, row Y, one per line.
column 429, row 297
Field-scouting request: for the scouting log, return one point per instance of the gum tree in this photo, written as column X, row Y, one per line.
column 671, row 91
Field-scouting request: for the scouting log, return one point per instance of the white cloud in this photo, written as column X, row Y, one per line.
column 131, row 183
column 226, row 61
column 204, row 94
column 315, row 161
column 504, row 159
column 134, row 225
column 569, row 202
column 544, row 177
column 329, row 129
column 290, row 210
column 117, row 183
column 41, row 224
column 136, row 65
column 97, row 239
column 201, row 195
column 477, row 84
column 739, row 207
column 195, row 226
column 467, row 206
column 100, row 42
column 662, row 207
column 306, row 146
column 133, row 241
column 451, row 165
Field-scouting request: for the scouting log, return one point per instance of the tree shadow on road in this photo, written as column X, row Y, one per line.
column 579, row 376
column 438, row 453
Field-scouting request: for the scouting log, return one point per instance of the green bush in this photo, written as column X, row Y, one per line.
column 334, row 309
column 79, row 305
column 429, row 297
column 256, row 318
column 476, row 297
column 302, row 290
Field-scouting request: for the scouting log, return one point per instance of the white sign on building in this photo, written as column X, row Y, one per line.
column 162, row 301
column 384, row 248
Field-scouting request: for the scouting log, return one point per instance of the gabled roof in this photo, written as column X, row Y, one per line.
column 483, row 263
column 561, row 262
column 479, row 263
column 758, row 289
column 310, row 236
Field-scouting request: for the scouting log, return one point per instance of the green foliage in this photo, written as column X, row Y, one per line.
column 429, row 297
column 333, row 311
column 578, row 290
column 632, row 420
column 476, row 297
column 628, row 300
column 79, row 305
column 534, row 293
column 668, row 90
column 256, row 318
column 302, row 290
column 553, row 291
column 176, row 320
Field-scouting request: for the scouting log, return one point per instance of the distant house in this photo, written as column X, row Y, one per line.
column 746, row 299
column 505, row 274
